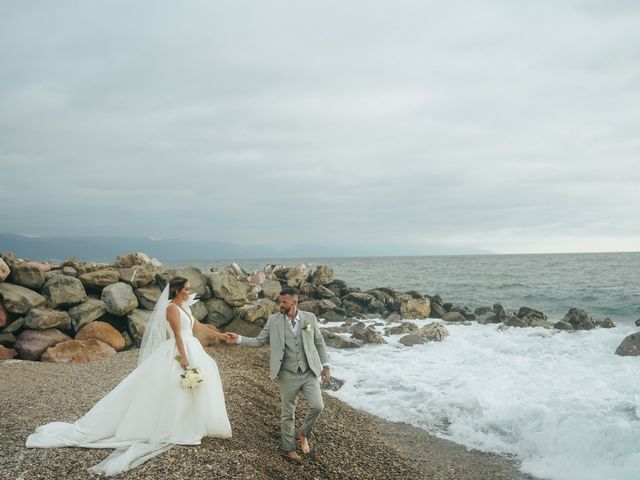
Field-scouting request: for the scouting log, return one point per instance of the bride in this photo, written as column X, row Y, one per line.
column 149, row 412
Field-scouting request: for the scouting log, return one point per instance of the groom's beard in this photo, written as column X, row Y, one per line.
column 285, row 310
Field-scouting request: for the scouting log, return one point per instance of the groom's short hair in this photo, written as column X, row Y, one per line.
column 289, row 292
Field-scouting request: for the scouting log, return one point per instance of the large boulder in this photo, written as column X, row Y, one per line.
column 337, row 341
column 433, row 332
column 416, row 308
column 244, row 328
column 3, row 316
column 501, row 313
column 322, row 275
column 148, row 296
column 137, row 322
column 404, row 327
column 257, row 312
column 562, row 325
column 42, row 318
column 271, row 289
column 220, row 313
column 19, row 300
column 411, row 340
column 78, row 351
column 605, row 323
column 437, row 311
column 368, row 335
column 104, row 332
column 230, row 289
column 64, row 291
column 298, row 275
column 317, row 307
column 362, row 303
column 28, row 274
column 137, row 276
column 131, row 259
column 119, row 298
column 579, row 319
column 7, row 353
column 99, row 279
column 199, row 311
column 87, row 312
column 453, row 317
column 31, row 344
column 630, row 346
column 197, row 281
column 4, row 270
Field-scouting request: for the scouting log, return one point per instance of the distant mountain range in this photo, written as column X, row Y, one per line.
column 108, row 248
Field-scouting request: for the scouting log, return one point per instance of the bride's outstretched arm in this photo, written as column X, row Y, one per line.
column 201, row 327
column 173, row 317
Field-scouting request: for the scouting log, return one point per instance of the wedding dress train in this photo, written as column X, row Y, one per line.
column 149, row 411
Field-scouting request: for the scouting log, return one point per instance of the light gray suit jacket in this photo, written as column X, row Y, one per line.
column 273, row 334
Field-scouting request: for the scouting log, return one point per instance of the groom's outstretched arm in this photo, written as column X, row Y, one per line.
column 259, row 341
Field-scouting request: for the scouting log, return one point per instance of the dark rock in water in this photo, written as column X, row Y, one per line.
column 437, row 311
column 488, row 317
column 453, row 317
column 368, row 335
column 358, row 327
column 513, row 321
column 414, row 294
column 404, row 327
column 362, row 303
column 394, row 318
column 432, row 332
column 579, row 319
column 324, row 292
column 448, row 307
column 334, row 384
column 638, row 323
column 501, row 312
column 526, row 312
column 437, row 299
column 483, row 310
column 337, row 329
column 562, row 325
column 606, row 323
column 336, row 341
column 411, row 340
column 466, row 313
column 416, row 308
column 630, row 346
column 332, row 316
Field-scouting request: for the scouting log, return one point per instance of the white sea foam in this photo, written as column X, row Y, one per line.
column 563, row 403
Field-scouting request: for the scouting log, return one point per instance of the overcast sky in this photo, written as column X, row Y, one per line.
column 509, row 126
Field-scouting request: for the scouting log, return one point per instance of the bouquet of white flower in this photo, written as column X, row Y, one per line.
column 191, row 379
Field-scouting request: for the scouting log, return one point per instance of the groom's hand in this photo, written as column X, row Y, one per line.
column 326, row 375
column 233, row 337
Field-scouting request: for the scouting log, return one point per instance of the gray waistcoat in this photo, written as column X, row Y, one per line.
column 294, row 356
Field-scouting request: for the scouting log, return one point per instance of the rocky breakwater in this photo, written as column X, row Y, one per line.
column 78, row 311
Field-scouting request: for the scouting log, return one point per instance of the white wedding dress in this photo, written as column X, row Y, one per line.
column 149, row 411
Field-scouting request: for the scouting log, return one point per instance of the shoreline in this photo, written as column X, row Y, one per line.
column 348, row 443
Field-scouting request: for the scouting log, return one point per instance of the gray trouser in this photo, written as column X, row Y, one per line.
column 290, row 385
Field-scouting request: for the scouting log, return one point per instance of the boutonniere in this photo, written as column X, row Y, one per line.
column 307, row 327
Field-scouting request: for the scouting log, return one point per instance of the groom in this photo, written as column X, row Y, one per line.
column 297, row 358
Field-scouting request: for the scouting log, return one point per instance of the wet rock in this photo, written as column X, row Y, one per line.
column 87, row 312
column 104, row 332
column 63, row 291
column 501, row 312
column 606, row 323
column 334, row 384
column 147, row 296
column 31, row 344
column 453, row 317
column 368, row 335
column 339, row 329
column 331, row 316
column 416, row 308
column 78, row 351
column 119, row 299
column 579, row 319
column 42, row 318
column 437, row 311
column 362, row 303
column 27, row 274
column 514, row 321
column 322, row 275
column 137, row 322
column 433, row 332
column 99, row 279
column 488, row 317
column 19, row 300
column 7, row 353
column 337, row 341
column 638, row 323
column 404, row 327
column 630, row 346
column 465, row 312
column 324, row 292
column 562, row 325
column 411, row 340
column 483, row 311
column 317, row 307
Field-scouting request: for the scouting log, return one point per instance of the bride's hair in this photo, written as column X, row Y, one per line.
column 175, row 285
